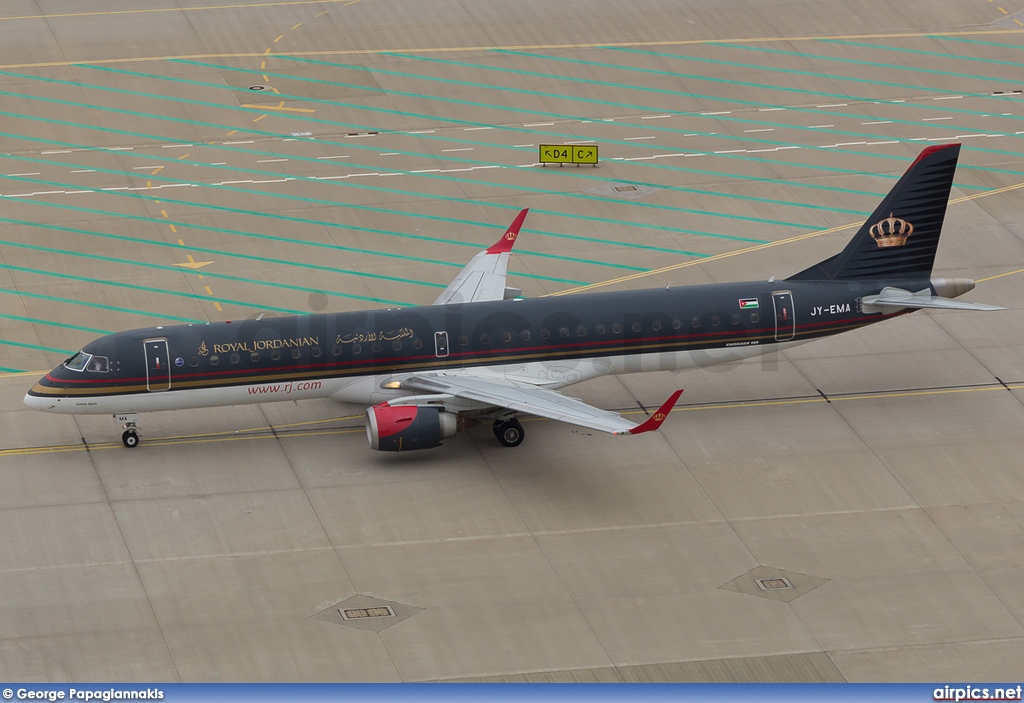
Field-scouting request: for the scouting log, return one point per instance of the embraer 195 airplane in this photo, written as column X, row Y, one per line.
column 483, row 353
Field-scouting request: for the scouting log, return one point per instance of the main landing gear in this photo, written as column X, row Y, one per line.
column 509, row 432
column 130, row 438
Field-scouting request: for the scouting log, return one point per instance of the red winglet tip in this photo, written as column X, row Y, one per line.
column 654, row 421
column 508, row 239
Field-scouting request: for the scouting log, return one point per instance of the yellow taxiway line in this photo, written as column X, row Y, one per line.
column 515, row 47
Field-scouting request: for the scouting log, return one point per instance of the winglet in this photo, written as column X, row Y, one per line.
column 654, row 421
column 508, row 239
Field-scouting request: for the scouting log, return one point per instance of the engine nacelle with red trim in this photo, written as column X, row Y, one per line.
column 402, row 428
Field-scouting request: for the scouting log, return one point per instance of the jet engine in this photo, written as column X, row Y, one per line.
column 402, row 428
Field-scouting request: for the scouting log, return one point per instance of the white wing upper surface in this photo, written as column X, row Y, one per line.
column 483, row 278
column 533, row 400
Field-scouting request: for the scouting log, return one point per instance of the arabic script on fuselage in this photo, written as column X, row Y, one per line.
column 362, row 337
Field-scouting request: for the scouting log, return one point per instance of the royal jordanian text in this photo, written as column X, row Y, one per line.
column 261, row 344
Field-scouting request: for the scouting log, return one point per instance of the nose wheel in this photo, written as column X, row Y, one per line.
column 130, row 438
column 509, row 432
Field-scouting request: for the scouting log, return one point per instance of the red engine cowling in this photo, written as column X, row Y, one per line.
column 402, row 428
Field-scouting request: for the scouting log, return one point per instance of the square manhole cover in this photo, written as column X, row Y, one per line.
column 774, row 584
column 622, row 191
column 367, row 613
column 382, row 611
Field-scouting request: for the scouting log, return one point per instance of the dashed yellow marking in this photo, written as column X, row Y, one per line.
column 259, row 118
column 263, row 65
column 278, row 92
column 164, row 213
column 183, row 156
column 181, row 242
column 217, row 305
column 234, row 131
column 297, row 25
column 279, row 38
column 173, row 228
column 156, row 170
column 1019, row 22
column 267, row 51
column 149, row 185
column 320, row 13
column 266, row 78
column 1003, row 11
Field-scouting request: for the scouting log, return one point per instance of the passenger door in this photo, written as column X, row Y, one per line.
column 158, row 365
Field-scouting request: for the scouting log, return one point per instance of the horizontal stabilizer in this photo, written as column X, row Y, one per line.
column 892, row 300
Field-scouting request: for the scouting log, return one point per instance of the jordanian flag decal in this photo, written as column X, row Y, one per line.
column 748, row 303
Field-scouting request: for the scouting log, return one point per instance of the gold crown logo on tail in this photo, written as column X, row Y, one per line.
column 891, row 231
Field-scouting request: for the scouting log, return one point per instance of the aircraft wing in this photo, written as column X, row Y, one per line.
column 483, row 278
column 534, row 400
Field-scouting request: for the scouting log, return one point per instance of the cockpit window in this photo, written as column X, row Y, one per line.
column 98, row 364
column 78, row 362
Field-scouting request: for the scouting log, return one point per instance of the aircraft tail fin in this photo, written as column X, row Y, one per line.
column 900, row 238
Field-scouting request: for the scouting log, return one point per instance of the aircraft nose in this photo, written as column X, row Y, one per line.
column 39, row 403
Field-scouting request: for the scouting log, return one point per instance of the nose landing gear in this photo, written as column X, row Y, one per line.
column 128, row 421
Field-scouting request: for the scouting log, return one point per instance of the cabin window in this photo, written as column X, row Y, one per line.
column 676, row 324
column 417, row 343
column 599, row 329
column 616, row 328
column 636, row 327
column 525, row 335
column 715, row 320
column 695, row 322
column 194, row 361
column 254, row 357
column 506, row 336
column 276, row 355
column 235, row 358
column 377, row 346
column 754, row 317
column 485, row 338
column 315, row 351
column 336, row 350
column 581, row 331
column 563, row 331
column 296, row 352
column 463, row 340
column 656, row 325
column 214, row 359
column 545, row 333
column 397, row 345
column 735, row 319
